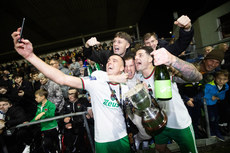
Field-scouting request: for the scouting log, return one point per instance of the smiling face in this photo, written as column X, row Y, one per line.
column 152, row 42
column 120, row 45
column 211, row 64
column 115, row 65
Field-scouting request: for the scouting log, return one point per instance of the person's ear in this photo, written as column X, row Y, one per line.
column 150, row 59
column 127, row 46
column 122, row 68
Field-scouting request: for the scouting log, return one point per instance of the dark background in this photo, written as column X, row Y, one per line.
column 158, row 16
column 54, row 25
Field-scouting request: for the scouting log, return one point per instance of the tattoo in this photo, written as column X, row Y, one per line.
column 188, row 71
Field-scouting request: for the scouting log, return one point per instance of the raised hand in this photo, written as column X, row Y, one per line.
column 183, row 22
column 92, row 42
column 24, row 48
column 162, row 56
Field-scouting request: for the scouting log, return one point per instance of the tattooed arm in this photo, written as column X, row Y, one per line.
column 188, row 71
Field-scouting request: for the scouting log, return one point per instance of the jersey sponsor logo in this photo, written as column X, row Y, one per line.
column 111, row 104
column 92, row 78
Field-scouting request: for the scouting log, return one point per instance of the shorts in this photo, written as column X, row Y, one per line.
column 118, row 146
column 185, row 138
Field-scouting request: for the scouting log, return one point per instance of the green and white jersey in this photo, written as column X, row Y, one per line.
column 108, row 116
column 178, row 116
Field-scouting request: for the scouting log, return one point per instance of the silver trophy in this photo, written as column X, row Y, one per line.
column 153, row 118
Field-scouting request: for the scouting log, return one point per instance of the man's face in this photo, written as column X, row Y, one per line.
column 43, row 80
column 54, row 64
column 142, row 60
column 152, row 42
column 72, row 95
column 114, row 65
column 130, row 68
column 18, row 80
column 4, row 106
column 211, row 64
column 120, row 45
column 221, row 80
column 35, row 77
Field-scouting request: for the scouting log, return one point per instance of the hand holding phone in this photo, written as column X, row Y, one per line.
column 23, row 21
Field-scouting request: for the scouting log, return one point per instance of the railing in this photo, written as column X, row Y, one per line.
column 60, row 117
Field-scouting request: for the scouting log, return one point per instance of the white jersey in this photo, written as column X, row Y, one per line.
column 108, row 116
column 177, row 113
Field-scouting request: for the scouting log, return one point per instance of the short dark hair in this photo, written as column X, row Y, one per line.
column 41, row 92
column 119, row 56
column 148, row 49
column 5, row 100
column 77, row 93
column 129, row 55
column 17, row 75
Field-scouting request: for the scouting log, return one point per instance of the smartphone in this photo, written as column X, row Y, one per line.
column 23, row 21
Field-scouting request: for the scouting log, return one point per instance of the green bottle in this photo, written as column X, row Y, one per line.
column 162, row 83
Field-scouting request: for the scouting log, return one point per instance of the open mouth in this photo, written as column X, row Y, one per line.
column 138, row 63
column 129, row 73
column 110, row 67
column 116, row 49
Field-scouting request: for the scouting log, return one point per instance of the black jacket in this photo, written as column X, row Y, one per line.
column 180, row 44
column 78, row 106
column 27, row 101
column 101, row 56
column 14, row 116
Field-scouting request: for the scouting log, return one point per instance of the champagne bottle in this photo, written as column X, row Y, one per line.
column 162, row 83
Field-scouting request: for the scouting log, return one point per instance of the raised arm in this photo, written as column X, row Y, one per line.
column 100, row 56
column 186, row 33
column 25, row 49
column 188, row 71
